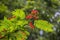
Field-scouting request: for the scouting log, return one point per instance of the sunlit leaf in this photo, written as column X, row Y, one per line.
column 19, row 13
column 22, row 22
column 43, row 25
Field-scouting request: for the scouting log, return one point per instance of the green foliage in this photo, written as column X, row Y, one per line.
column 8, row 26
column 13, row 25
column 29, row 4
column 22, row 22
column 56, row 2
column 43, row 25
column 46, row 9
column 3, row 8
column 58, row 20
column 19, row 13
column 22, row 35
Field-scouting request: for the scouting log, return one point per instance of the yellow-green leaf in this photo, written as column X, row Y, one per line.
column 43, row 25
column 19, row 13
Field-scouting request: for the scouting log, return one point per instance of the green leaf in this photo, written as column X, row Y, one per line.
column 19, row 13
column 21, row 35
column 8, row 25
column 27, row 32
column 22, row 22
column 43, row 25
